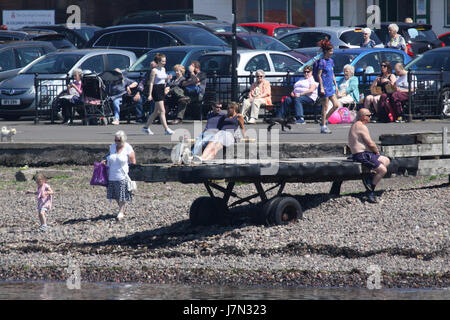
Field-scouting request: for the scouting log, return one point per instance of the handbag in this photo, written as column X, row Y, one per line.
column 376, row 91
column 100, row 175
column 131, row 185
column 176, row 92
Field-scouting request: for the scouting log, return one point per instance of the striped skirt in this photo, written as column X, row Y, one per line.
column 118, row 190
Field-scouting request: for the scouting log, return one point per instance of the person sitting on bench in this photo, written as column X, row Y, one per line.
column 365, row 151
column 212, row 122
column 304, row 93
column 260, row 93
column 227, row 125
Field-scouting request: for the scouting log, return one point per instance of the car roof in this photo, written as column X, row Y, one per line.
column 188, row 48
column 246, row 51
column 361, row 50
column 325, row 29
column 22, row 43
column 93, row 50
column 151, row 26
column 403, row 24
column 268, row 24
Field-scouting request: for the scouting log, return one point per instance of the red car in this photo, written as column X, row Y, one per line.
column 445, row 38
column 270, row 28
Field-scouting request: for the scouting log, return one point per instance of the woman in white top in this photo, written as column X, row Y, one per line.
column 158, row 90
column 120, row 155
column 304, row 92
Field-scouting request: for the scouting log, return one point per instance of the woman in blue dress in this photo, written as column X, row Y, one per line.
column 327, row 83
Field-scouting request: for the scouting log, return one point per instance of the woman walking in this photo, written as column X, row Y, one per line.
column 327, row 83
column 120, row 155
column 157, row 92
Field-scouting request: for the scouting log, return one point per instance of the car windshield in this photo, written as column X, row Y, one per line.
column 219, row 64
column 420, row 34
column 87, row 32
column 355, row 38
column 227, row 28
column 261, row 42
column 430, row 61
column 196, row 36
column 283, row 30
column 54, row 64
column 172, row 58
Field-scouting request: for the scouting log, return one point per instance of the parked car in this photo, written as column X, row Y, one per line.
column 214, row 26
column 434, row 60
column 365, row 60
column 254, row 40
column 17, row 95
column 17, row 54
column 419, row 37
column 445, row 38
column 142, row 38
column 275, row 64
column 59, row 41
column 272, row 29
column 78, row 37
column 183, row 55
column 340, row 37
column 161, row 16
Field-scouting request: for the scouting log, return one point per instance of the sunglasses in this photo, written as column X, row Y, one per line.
column 307, row 71
column 384, row 66
column 369, row 115
column 117, row 140
column 260, row 76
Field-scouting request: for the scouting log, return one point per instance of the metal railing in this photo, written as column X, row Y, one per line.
column 46, row 90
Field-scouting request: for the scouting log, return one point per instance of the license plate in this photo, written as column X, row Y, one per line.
column 10, row 102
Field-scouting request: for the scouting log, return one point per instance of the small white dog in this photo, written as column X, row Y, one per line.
column 8, row 134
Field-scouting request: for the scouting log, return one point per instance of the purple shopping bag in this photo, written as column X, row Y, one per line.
column 100, row 175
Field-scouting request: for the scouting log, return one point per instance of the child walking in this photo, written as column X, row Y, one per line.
column 44, row 199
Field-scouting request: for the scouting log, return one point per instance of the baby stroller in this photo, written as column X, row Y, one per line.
column 97, row 107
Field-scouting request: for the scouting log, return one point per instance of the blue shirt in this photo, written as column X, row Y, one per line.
column 327, row 67
column 370, row 44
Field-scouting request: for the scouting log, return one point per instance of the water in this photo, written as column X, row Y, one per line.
column 11, row 290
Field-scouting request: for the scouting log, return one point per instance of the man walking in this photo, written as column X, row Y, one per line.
column 365, row 151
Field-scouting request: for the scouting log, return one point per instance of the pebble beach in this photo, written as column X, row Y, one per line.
column 336, row 244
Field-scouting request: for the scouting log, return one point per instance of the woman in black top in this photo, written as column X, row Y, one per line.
column 382, row 81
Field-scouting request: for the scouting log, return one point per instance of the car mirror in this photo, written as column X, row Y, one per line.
column 359, row 71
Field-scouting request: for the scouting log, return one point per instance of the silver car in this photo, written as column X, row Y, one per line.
column 17, row 95
column 340, row 37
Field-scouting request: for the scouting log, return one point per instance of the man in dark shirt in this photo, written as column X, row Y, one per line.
column 211, row 129
column 194, row 88
column 116, row 92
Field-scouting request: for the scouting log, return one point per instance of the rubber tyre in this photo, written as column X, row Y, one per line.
column 285, row 211
column 207, row 211
column 265, row 215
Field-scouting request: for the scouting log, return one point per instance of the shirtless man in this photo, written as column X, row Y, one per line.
column 364, row 150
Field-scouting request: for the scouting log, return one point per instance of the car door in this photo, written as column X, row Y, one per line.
column 310, row 39
column 370, row 64
column 282, row 65
column 94, row 64
column 8, row 65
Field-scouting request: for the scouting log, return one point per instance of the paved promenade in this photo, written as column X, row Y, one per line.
column 28, row 132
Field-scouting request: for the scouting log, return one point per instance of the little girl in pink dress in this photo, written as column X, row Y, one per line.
column 44, row 199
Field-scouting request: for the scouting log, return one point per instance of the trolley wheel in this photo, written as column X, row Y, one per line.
column 264, row 215
column 286, row 210
column 206, row 211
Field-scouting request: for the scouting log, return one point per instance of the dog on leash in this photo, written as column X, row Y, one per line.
column 8, row 134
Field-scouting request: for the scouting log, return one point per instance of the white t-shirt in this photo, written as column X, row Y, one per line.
column 303, row 85
column 402, row 82
column 118, row 163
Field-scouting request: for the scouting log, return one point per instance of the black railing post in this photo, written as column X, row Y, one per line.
column 410, row 96
column 36, row 100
